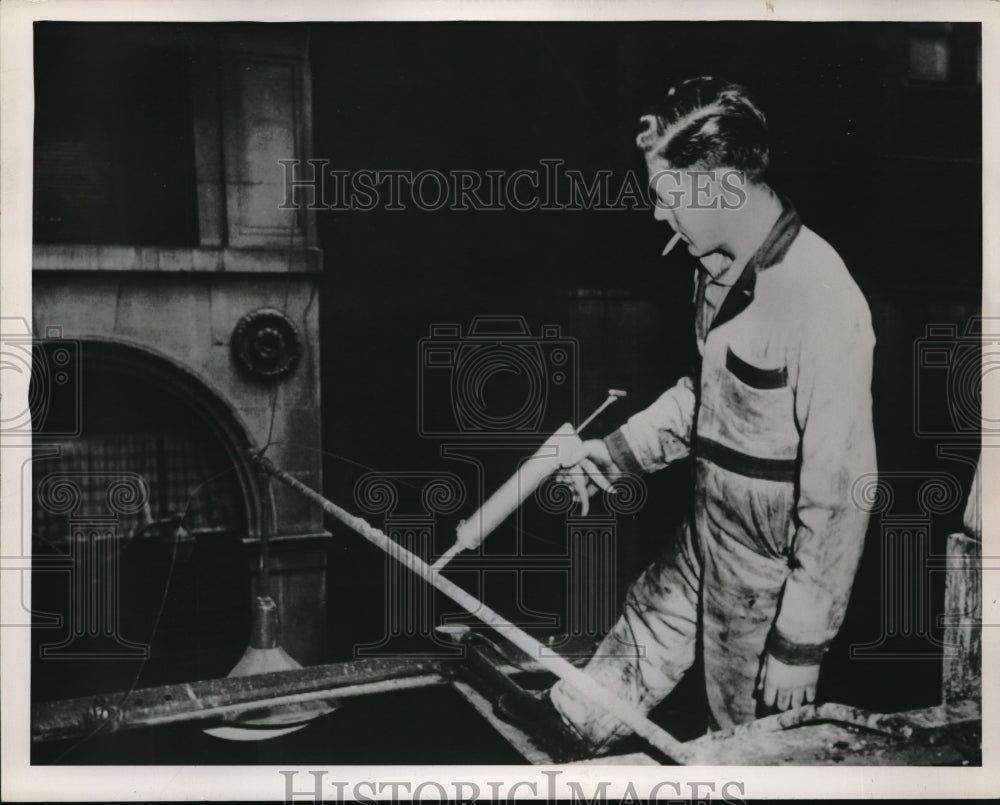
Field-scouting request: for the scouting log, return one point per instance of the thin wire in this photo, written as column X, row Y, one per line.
column 102, row 726
column 156, row 621
column 304, row 446
column 264, row 553
column 270, row 427
column 264, row 556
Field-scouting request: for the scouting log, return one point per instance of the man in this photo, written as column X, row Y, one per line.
column 778, row 422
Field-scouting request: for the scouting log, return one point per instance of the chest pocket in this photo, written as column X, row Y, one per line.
column 754, row 376
column 754, row 410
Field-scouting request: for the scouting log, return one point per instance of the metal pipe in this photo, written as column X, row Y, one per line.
column 613, row 395
column 349, row 691
column 625, row 712
column 447, row 556
column 196, row 701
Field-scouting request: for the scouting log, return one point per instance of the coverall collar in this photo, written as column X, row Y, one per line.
column 771, row 252
column 721, row 269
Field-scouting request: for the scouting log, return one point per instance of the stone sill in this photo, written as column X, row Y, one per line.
column 176, row 259
column 289, row 540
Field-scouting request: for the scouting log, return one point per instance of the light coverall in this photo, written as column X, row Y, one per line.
column 779, row 425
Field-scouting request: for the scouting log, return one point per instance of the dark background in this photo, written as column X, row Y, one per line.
column 883, row 166
column 879, row 159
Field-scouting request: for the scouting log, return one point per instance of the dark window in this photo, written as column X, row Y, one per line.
column 114, row 153
column 170, row 575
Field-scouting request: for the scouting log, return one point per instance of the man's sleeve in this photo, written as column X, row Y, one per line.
column 657, row 436
column 833, row 411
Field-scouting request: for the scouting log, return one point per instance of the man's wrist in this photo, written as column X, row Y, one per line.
column 621, row 454
column 792, row 653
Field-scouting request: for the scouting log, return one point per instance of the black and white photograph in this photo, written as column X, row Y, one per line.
column 602, row 397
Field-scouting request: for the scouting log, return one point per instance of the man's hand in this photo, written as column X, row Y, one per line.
column 787, row 686
column 587, row 470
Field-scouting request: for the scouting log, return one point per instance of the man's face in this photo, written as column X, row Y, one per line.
column 691, row 201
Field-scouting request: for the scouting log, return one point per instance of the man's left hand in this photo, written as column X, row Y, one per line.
column 787, row 686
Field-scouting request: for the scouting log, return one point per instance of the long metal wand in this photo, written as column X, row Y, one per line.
column 625, row 712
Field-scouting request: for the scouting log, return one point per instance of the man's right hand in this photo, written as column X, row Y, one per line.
column 588, row 469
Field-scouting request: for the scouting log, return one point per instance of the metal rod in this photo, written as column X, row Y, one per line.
column 613, row 394
column 194, row 701
column 447, row 556
column 364, row 689
column 625, row 712
column 267, row 526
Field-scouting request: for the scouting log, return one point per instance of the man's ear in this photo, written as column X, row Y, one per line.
column 733, row 188
column 707, row 189
column 667, row 184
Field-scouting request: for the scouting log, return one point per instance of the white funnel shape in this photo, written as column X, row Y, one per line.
column 262, row 656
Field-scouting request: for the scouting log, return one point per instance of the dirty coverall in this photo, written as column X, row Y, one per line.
column 779, row 425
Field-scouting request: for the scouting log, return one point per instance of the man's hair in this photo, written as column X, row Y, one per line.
column 707, row 123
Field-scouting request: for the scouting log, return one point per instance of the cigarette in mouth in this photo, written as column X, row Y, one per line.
column 673, row 242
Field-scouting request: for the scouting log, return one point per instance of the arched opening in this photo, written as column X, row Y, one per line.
column 140, row 525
